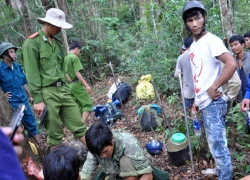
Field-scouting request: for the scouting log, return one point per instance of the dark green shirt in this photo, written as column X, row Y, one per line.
column 43, row 63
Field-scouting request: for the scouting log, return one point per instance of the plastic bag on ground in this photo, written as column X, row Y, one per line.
column 145, row 90
column 113, row 89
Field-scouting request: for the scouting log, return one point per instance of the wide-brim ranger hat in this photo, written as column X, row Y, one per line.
column 55, row 17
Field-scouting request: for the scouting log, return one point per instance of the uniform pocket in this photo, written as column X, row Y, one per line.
column 22, row 79
column 8, row 81
column 45, row 62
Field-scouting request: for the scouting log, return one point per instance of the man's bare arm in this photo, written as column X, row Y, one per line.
column 227, row 72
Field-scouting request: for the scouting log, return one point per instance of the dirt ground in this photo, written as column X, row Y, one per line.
column 129, row 123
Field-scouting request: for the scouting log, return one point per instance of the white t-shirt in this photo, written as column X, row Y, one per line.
column 205, row 66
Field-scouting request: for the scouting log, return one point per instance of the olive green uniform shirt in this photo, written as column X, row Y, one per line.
column 72, row 65
column 125, row 145
column 43, row 63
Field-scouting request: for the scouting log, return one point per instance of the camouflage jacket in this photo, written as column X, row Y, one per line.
column 125, row 145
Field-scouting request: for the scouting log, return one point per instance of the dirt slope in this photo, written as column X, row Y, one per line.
column 130, row 124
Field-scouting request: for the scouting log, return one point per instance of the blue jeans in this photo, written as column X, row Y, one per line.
column 214, row 123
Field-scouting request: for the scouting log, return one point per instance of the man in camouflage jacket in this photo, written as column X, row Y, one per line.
column 119, row 155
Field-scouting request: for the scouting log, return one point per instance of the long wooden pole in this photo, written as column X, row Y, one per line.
column 162, row 108
column 186, row 121
column 116, row 85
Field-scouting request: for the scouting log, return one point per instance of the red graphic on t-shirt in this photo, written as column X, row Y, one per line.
column 198, row 68
column 197, row 90
column 192, row 58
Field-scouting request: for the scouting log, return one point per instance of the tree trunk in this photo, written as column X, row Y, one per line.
column 65, row 40
column 142, row 9
column 16, row 5
column 7, row 2
column 99, row 26
column 28, row 26
column 226, row 18
column 95, row 25
column 63, row 6
column 82, row 18
column 153, row 19
column 17, row 12
column 90, row 15
column 5, row 110
column 115, row 8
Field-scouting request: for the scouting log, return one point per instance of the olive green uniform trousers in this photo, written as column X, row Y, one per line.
column 62, row 110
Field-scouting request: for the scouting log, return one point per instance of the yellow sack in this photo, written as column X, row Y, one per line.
column 145, row 90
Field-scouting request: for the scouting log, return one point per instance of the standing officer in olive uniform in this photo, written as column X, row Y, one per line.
column 43, row 57
column 79, row 88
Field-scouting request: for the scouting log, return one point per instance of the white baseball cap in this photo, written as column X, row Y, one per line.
column 55, row 17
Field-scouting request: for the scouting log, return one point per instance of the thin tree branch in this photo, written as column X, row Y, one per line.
column 41, row 6
column 17, row 32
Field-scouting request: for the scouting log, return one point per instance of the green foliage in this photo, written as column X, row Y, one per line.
column 166, row 134
column 240, row 10
column 137, row 42
column 247, row 169
column 242, row 139
column 8, row 22
column 208, row 155
column 213, row 22
column 237, row 117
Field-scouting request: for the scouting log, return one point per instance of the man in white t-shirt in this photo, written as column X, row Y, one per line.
column 206, row 53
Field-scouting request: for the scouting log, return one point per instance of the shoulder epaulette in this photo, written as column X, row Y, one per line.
column 33, row 35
